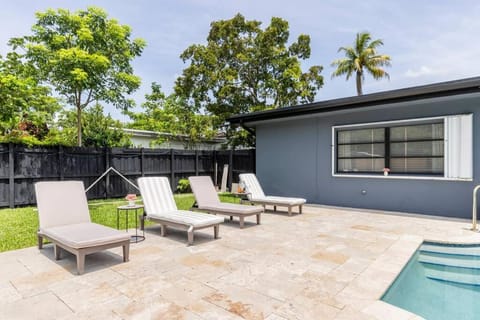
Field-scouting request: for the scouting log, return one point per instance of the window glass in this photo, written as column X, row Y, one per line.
column 417, row 165
column 417, row 132
column 361, row 150
column 414, row 149
column 361, row 136
column 361, row 165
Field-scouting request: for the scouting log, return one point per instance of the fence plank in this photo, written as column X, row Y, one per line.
column 11, row 176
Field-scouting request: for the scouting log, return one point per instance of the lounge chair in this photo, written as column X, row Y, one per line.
column 160, row 207
column 207, row 200
column 65, row 220
column 255, row 194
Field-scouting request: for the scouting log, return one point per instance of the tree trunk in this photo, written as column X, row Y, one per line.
column 359, row 83
column 79, row 126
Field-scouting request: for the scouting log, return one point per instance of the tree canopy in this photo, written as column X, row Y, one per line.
column 171, row 114
column 25, row 106
column 84, row 56
column 361, row 58
column 244, row 68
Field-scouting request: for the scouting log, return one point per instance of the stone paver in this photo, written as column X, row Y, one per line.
column 327, row 263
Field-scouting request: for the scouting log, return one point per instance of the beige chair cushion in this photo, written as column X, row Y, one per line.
column 157, row 195
column 280, row 201
column 233, row 208
column 204, row 190
column 61, row 203
column 252, row 186
column 195, row 219
column 84, row 235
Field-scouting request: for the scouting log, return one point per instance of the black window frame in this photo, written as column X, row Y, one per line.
column 387, row 152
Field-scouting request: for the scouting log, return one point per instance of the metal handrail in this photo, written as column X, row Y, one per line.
column 474, row 208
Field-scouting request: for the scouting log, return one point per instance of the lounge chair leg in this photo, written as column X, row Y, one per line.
column 264, row 207
column 163, row 230
column 300, row 209
column 80, row 262
column 126, row 252
column 242, row 221
column 258, row 218
column 274, row 208
column 216, row 230
column 231, row 218
column 56, row 251
column 190, row 238
column 40, row 241
column 289, row 210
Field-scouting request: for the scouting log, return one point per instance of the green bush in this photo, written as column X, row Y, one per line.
column 184, row 186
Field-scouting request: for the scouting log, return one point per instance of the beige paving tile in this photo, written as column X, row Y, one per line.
column 43, row 306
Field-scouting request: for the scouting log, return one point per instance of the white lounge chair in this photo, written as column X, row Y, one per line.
column 207, row 200
column 65, row 220
column 255, row 194
column 160, row 207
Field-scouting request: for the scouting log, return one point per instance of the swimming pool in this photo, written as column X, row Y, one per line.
column 440, row 282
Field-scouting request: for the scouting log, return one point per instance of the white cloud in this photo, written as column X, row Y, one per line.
column 422, row 71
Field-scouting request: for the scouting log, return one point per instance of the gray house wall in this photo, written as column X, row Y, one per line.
column 294, row 158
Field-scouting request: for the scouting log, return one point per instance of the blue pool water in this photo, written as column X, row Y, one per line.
column 439, row 282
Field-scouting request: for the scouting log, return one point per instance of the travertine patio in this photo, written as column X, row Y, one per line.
column 324, row 264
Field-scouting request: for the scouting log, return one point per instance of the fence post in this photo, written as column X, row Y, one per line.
column 60, row 162
column 215, row 167
column 172, row 169
column 254, row 160
column 142, row 158
column 230, row 169
column 107, row 165
column 11, row 176
column 196, row 162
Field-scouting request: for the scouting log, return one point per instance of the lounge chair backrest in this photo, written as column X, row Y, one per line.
column 252, row 187
column 157, row 195
column 204, row 191
column 61, row 203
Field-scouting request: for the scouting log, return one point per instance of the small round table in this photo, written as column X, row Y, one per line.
column 127, row 208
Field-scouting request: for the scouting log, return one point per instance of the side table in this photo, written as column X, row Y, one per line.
column 127, row 209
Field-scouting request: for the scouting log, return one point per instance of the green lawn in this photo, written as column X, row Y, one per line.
column 18, row 226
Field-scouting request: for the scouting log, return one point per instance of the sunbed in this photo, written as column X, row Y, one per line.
column 207, row 200
column 65, row 220
column 255, row 194
column 160, row 207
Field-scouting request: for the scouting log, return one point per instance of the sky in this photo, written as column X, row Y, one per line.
column 428, row 40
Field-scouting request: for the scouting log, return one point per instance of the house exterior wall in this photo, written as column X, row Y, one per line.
column 294, row 158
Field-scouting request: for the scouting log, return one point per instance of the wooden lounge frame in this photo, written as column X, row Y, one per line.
column 160, row 208
column 207, row 200
column 80, row 253
column 64, row 219
column 177, row 225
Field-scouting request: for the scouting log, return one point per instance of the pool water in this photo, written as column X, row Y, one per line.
column 439, row 282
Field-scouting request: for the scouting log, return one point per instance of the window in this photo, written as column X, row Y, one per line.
column 428, row 147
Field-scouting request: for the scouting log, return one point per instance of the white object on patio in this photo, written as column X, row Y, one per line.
column 255, row 194
column 65, row 220
column 160, row 207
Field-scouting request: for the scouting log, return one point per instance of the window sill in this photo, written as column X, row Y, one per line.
column 394, row 177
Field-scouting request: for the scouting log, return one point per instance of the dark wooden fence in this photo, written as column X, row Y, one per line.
column 21, row 167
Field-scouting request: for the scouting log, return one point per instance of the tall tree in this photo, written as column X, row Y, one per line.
column 83, row 55
column 362, row 58
column 171, row 114
column 23, row 101
column 244, row 68
column 99, row 130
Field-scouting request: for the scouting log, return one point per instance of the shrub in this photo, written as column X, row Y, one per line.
column 183, row 186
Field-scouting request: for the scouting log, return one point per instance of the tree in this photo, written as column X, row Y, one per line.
column 245, row 68
column 171, row 114
column 26, row 107
column 361, row 58
column 83, row 55
column 98, row 130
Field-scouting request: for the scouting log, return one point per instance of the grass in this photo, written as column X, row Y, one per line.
column 18, row 227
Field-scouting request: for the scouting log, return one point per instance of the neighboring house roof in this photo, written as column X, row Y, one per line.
column 179, row 137
column 442, row 89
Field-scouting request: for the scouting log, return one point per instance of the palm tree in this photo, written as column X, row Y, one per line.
column 363, row 57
